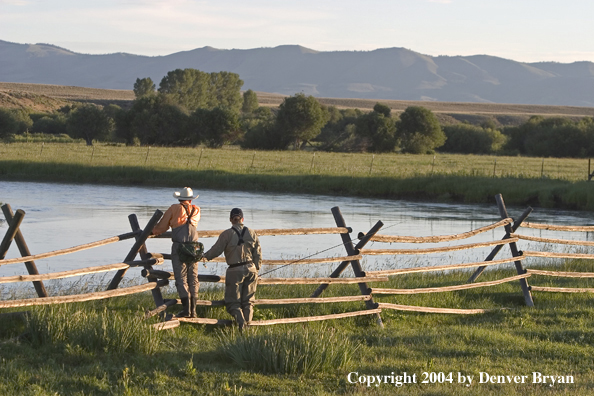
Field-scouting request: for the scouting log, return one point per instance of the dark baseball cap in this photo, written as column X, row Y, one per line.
column 236, row 212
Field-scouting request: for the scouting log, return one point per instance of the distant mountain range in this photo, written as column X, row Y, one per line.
column 390, row 73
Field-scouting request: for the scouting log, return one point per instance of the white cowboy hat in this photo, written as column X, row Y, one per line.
column 186, row 194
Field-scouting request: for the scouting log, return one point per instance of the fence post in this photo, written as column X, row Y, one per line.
column 514, row 250
column 136, row 248
column 24, row 250
column 13, row 228
column 497, row 248
column 157, row 295
column 200, row 158
column 355, row 264
column 342, row 266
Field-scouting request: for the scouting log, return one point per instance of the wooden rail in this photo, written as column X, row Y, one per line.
column 285, row 301
column 271, row 232
column 448, row 288
column 413, row 308
column 557, row 227
column 293, row 261
column 562, row 274
column 559, row 255
column 554, row 241
column 562, row 289
column 73, row 249
column 435, row 250
column 82, row 297
column 401, row 271
column 440, row 238
column 78, row 272
column 276, row 281
column 161, row 326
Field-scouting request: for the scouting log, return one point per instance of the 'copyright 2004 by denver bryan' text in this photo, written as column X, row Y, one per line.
column 426, row 377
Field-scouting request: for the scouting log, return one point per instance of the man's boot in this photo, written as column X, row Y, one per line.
column 248, row 314
column 193, row 307
column 240, row 321
column 185, row 312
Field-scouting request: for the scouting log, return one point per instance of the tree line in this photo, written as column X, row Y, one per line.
column 192, row 107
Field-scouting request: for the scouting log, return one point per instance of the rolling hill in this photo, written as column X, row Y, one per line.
column 382, row 74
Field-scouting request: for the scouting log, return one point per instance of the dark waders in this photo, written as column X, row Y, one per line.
column 186, row 274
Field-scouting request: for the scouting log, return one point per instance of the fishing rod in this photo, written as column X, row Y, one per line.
column 361, row 235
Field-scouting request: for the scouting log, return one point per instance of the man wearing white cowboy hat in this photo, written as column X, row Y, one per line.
column 183, row 218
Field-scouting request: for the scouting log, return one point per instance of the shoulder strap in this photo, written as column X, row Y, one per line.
column 240, row 236
column 188, row 213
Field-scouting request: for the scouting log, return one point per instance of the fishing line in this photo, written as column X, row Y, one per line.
column 361, row 235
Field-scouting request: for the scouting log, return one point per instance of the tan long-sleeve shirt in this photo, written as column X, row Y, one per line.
column 177, row 216
column 227, row 243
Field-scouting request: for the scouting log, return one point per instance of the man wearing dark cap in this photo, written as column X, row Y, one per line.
column 243, row 255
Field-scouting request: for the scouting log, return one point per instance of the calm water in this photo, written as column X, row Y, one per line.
column 64, row 215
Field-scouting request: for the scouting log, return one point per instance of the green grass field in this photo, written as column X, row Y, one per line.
column 292, row 163
column 443, row 177
column 74, row 351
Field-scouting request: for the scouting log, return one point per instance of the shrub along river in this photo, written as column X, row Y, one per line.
column 60, row 216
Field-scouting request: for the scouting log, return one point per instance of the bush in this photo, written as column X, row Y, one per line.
column 552, row 137
column 471, row 139
column 52, row 125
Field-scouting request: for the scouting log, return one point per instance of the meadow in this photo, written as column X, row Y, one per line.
column 547, row 182
column 107, row 348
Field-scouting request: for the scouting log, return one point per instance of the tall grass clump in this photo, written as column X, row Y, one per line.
column 290, row 350
column 92, row 330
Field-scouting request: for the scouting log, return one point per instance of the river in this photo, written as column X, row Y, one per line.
column 59, row 216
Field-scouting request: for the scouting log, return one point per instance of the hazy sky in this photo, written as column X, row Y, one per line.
column 523, row 30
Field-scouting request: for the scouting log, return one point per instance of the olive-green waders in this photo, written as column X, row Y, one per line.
column 186, row 275
column 240, row 290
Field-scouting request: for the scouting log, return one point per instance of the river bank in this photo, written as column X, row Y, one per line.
column 547, row 193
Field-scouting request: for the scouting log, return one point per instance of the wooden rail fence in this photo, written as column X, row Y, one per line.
column 156, row 279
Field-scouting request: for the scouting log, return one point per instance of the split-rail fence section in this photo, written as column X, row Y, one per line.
column 355, row 250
